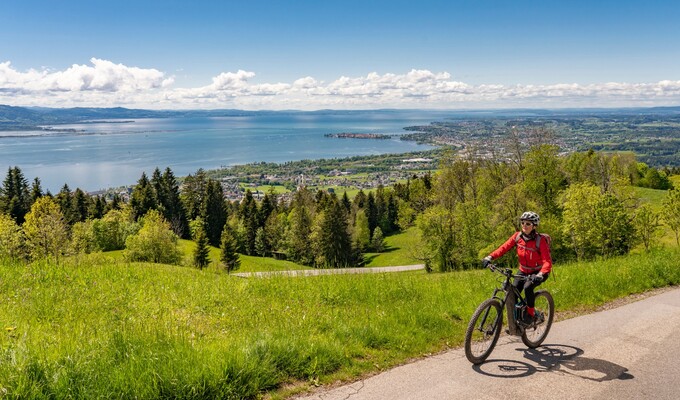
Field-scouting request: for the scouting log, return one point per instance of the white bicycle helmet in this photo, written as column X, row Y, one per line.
column 530, row 216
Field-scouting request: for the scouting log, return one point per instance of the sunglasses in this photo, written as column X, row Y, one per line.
column 527, row 223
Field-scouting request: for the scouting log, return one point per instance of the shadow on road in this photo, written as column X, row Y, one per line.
column 555, row 358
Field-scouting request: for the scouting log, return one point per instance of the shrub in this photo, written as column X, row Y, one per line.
column 155, row 242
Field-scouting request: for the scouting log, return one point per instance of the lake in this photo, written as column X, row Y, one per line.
column 108, row 154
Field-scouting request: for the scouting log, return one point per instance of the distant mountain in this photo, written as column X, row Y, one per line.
column 22, row 118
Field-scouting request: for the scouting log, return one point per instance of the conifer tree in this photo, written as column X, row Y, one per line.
column 334, row 244
column 80, row 206
column 228, row 255
column 371, row 212
column 202, row 251
column 261, row 247
column 378, row 241
column 36, row 190
column 213, row 211
column 14, row 195
column 65, row 201
column 249, row 218
column 360, row 199
column 172, row 204
column 193, row 191
column 267, row 206
column 300, row 222
column 97, row 208
column 346, row 202
column 143, row 198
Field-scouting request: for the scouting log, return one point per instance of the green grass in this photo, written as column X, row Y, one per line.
column 399, row 250
column 99, row 328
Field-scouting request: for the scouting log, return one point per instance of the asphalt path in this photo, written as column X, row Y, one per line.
column 333, row 271
column 629, row 352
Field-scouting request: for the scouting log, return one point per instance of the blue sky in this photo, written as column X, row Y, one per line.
column 339, row 54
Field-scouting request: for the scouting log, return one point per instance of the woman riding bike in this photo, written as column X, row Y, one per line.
column 535, row 263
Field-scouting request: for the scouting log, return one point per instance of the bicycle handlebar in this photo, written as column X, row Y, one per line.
column 508, row 272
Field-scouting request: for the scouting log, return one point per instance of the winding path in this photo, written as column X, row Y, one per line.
column 313, row 272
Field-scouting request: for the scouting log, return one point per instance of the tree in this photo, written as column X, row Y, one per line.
column 202, row 251
column 111, row 231
column 543, row 177
column 647, row 223
column 361, row 234
column 12, row 241
column 331, row 238
column 228, row 255
column 143, row 198
column 170, row 202
column 65, row 200
column 83, row 238
column 671, row 212
column 14, row 195
column 378, row 241
column 97, row 208
column 275, row 230
column 300, row 229
column 261, row 246
column 80, row 205
column 46, row 230
column 371, row 211
column 213, row 212
column 155, row 242
column 193, row 191
column 36, row 190
column 438, row 231
column 612, row 226
column 579, row 201
column 249, row 218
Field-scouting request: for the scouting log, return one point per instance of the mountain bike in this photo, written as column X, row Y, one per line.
column 485, row 325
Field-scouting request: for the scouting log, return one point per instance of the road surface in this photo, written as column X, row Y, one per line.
column 630, row 352
column 310, row 272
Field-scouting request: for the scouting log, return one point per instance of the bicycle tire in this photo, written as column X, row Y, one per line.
column 479, row 340
column 534, row 335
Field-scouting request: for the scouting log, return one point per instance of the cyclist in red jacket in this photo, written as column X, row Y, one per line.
column 535, row 263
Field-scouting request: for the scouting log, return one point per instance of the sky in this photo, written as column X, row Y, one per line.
column 322, row 54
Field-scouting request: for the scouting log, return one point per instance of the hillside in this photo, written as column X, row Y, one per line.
column 93, row 328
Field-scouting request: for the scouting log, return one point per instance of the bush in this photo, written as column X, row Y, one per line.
column 12, row 244
column 155, row 242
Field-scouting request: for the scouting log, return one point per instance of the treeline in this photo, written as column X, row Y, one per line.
column 467, row 208
column 586, row 201
column 316, row 228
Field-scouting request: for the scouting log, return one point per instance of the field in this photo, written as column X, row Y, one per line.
column 94, row 328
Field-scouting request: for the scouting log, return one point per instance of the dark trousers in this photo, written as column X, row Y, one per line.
column 528, row 286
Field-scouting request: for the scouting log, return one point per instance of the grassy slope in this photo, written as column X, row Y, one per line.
column 98, row 328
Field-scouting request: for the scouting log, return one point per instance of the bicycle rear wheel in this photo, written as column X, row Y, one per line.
column 536, row 333
column 483, row 331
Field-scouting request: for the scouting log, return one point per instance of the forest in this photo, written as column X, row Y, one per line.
column 469, row 205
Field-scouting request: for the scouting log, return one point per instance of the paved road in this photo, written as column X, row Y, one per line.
column 309, row 272
column 630, row 352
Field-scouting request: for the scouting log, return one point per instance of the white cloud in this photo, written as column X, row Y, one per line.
column 102, row 75
column 104, row 83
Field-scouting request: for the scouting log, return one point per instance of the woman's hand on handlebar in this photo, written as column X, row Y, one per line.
column 486, row 262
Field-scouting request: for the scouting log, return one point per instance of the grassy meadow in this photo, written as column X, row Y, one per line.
column 95, row 327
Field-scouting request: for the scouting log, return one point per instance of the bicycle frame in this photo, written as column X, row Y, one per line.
column 508, row 290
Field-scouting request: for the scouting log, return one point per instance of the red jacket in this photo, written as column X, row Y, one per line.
column 530, row 260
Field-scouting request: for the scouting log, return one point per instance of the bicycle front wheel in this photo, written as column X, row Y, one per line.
column 483, row 331
column 536, row 333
